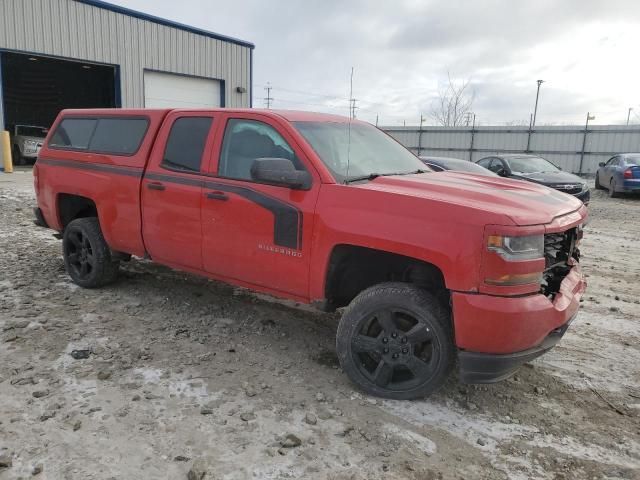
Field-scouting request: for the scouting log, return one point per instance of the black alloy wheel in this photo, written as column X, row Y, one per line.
column 87, row 256
column 395, row 341
column 80, row 255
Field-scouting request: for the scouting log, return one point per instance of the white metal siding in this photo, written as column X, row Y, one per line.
column 66, row 28
column 168, row 90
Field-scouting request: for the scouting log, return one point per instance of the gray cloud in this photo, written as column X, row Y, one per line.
column 402, row 51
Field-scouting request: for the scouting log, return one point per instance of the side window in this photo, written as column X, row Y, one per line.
column 496, row 165
column 186, row 143
column 115, row 136
column 73, row 133
column 119, row 135
column 484, row 162
column 612, row 161
column 245, row 141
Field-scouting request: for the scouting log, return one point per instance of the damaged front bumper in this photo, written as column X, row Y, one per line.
column 495, row 335
column 488, row 368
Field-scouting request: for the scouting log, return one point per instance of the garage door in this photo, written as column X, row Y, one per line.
column 162, row 90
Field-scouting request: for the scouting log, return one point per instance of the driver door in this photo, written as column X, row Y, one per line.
column 256, row 233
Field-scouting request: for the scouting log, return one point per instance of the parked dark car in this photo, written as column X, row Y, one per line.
column 620, row 174
column 445, row 163
column 533, row 168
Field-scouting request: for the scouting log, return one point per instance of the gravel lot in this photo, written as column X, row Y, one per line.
column 188, row 378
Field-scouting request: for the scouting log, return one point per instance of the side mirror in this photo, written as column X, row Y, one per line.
column 601, row 164
column 281, row 172
column 502, row 172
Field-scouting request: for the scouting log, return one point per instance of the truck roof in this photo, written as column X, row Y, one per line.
column 290, row 115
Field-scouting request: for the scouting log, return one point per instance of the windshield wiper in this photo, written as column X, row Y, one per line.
column 373, row 176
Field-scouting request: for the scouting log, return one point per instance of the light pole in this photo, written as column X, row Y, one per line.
column 535, row 109
column 629, row 114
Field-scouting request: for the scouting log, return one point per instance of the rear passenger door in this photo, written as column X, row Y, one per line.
column 172, row 190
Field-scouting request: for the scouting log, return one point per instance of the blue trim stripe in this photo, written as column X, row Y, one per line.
column 162, row 21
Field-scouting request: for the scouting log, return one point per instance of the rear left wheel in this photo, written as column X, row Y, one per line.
column 87, row 256
column 612, row 189
column 395, row 341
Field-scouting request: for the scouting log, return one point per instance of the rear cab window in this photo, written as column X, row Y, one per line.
column 186, row 144
column 107, row 135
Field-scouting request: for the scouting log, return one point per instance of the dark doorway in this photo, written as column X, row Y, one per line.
column 35, row 89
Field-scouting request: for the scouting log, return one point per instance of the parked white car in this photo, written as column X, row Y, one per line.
column 27, row 142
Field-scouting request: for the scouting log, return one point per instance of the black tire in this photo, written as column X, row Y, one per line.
column 598, row 186
column 87, row 256
column 18, row 159
column 612, row 189
column 395, row 341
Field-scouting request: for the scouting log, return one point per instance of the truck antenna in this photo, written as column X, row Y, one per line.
column 351, row 114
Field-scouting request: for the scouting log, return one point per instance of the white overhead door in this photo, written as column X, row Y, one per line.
column 163, row 90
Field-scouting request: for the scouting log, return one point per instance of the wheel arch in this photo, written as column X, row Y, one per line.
column 352, row 269
column 70, row 206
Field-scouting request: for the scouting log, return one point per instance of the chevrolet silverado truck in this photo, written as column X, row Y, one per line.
column 435, row 270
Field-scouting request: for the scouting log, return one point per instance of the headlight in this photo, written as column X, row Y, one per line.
column 528, row 247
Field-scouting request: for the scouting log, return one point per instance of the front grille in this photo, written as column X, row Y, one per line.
column 559, row 248
column 571, row 189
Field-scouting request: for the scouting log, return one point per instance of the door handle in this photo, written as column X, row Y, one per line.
column 217, row 196
column 155, row 186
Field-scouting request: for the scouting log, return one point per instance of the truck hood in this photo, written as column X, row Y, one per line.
column 525, row 203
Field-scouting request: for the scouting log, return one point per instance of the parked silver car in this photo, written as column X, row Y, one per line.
column 27, row 142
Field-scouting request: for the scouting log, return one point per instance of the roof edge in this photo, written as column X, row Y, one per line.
column 163, row 21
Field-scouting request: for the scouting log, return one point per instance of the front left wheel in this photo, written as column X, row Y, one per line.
column 395, row 341
column 87, row 256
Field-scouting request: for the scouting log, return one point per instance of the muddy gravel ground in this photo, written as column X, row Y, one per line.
column 189, row 378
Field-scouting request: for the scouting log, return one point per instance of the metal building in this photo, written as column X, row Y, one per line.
column 57, row 54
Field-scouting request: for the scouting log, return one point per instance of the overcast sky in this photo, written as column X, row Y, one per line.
column 585, row 50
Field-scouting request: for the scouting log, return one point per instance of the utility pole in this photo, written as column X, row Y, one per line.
column 629, row 114
column 268, row 99
column 376, row 119
column 584, row 138
column 473, row 134
column 422, row 119
column 535, row 109
column 529, row 135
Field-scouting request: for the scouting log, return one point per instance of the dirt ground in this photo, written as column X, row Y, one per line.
column 189, row 378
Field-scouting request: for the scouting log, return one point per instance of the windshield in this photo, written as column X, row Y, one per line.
column 635, row 160
column 31, row 131
column 370, row 151
column 531, row 165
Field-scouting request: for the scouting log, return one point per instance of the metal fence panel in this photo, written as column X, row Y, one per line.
column 573, row 148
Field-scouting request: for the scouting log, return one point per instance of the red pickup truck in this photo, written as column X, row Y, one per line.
column 323, row 210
